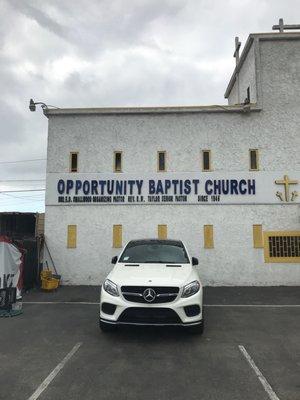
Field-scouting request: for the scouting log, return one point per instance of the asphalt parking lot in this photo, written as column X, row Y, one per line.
column 55, row 350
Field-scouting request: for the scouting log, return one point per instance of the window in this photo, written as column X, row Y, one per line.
column 208, row 231
column 117, row 161
column 206, row 160
column 117, row 236
column 258, row 241
column 282, row 247
column 162, row 231
column 72, row 237
column 253, row 154
column 161, row 161
column 74, row 161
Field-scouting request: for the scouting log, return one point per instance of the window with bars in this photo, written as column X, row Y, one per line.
column 282, row 247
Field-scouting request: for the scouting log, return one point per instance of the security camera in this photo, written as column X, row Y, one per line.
column 32, row 106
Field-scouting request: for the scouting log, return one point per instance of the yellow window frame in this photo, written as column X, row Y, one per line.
column 72, row 237
column 258, row 238
column 208, row 231
column 162, row 231
column 117, row 236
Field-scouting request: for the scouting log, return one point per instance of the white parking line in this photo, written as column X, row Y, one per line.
column 60, row 302
column 53, row 374
column 205, row 305
column 253, row 305
column 260, row 376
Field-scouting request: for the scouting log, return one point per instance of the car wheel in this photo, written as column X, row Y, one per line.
column 106, row 327
column 197, row 329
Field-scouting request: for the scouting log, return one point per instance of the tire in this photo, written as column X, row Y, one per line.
column 197, row 329
column 106, row 327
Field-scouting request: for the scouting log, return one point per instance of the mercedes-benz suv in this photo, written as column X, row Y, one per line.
column 153, row 282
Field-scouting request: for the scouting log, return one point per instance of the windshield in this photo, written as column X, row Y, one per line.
column 156, row 252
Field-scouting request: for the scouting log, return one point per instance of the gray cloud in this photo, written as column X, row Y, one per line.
column 114, row 53
column 36, row 14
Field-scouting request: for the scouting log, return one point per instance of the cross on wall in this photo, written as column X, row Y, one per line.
column 286, row 182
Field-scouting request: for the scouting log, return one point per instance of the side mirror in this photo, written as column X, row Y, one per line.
column 195, row 261
column 114, row 260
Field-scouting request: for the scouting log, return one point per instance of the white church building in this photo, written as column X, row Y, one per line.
column 224, row 179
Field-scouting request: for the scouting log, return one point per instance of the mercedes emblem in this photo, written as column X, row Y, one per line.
column 149, row 295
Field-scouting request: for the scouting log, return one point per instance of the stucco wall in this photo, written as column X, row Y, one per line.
column 229, row 136
column 274, row 131
column 233, row 261
column 280, row 74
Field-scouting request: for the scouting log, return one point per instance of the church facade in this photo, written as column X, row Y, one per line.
column 224, row 179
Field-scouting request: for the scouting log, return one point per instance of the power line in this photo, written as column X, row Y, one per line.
column 36, row 196
column 22, row 197
column 22, row 180
column 23, row 190
column 20, row 161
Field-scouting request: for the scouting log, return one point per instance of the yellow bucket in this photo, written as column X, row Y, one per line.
column 46, row 273
column 50, row 283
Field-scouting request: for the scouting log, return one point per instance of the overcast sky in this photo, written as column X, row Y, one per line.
column 89, row 53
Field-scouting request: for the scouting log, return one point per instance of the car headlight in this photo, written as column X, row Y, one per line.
column 111, row 287
column 190, row 289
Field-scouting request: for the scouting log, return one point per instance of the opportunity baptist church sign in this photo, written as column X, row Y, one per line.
column 172, row 188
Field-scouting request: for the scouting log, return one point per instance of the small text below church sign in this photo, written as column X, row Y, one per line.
column 172, row 188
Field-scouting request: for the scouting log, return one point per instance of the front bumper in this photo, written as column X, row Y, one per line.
column 171, row 314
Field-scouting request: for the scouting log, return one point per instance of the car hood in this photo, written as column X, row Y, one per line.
column 152, row 275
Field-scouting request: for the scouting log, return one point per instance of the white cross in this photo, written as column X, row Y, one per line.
column 280, row 27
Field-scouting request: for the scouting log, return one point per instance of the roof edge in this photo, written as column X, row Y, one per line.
column 149, row 110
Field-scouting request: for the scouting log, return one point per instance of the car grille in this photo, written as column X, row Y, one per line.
column 149, row 315
column 163, row 294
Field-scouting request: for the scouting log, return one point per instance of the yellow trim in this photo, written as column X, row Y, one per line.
column 72, row 237
column 70, row 161
column 162, row 231
column 257, row 160
column 209, row 160
column 165, row 154
column 269, row 259
column 117, row 236
column 258, row 239
column 114, row 161
column 208, row 231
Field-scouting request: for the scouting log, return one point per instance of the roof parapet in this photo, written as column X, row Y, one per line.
column 150, row 110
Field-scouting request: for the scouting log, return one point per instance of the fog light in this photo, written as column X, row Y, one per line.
column 108, row 308
column 192, row 311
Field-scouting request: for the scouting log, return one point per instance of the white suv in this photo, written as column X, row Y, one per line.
column 153, row 282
